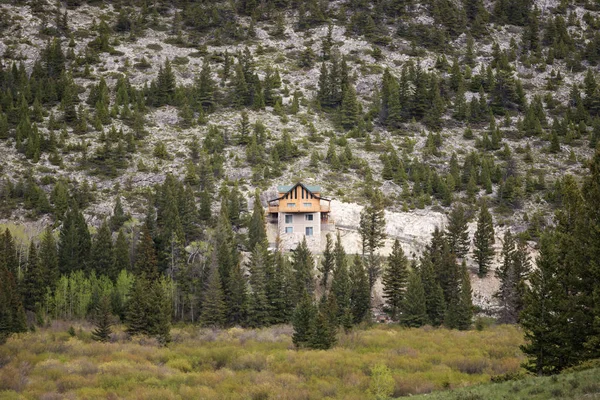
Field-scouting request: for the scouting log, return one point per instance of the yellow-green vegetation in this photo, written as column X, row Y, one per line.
column 253, row 364
column 576, row 385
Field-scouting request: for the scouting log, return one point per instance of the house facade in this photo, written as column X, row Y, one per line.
column 300, row 211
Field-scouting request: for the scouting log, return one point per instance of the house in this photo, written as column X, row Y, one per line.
column 299, row 211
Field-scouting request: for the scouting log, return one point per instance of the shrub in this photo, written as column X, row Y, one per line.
column 180, row 364
column 382, row 383
column 470, row 365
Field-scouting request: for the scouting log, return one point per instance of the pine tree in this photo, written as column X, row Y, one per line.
column 340, row 284
column 102, row 252
column 372, row 231
column 303, row 265
column 328, row 263
column 121, row 259
column 280, row 285
column 360, row 292
column 302, row 321
column 119, row 217
column 483, row 239
column 33, row 285
column 75, row 242
column 12, row 314
column 457, row 233
column 322, row 332
column 137, row 318
column 395, row 280
column 103, row 321
column 165, row 85
column 213, row 302
column 414, row 310
column 505, row 274
column 434, row 294
column 542, row 317
column 146, row 262
column 256, row 231
column 512, row 275
column 49, row 257
column 259, row 309
column 465, row 301
column 206, row 88
column 244, row 129
column 350, row 109
column 161, row 310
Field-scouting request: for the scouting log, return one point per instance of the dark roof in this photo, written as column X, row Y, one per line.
column 288, row 188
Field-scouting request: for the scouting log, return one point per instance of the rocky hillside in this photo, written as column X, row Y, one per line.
column 434, row 103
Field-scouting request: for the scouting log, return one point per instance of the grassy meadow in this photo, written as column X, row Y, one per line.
column 250, row 364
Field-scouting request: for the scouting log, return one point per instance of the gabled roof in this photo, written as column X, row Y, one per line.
column 288, row 188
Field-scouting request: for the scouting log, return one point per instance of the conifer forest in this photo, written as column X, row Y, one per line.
column 152, row 155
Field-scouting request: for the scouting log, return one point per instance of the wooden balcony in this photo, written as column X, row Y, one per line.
column 274, row 209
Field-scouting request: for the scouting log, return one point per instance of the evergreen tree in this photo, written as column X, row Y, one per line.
column 360, row 292
column 512, row 275
column 303, row 320
column 341, row 285
column 457, row 233
column 483, row 239
column 434, row 294
column 237, row 296
column 102, row 259
column 49, row 257
column 206, row 88
column 122, row 261
column 165, row 85
column 33, row 285
column 259, row 309
column 464, row 314
column 146, row 262
column 103, row 321
column 395, row 280
column 350, row 109
column 279, row 287
column 322, row 332
column 303, row 265
column 119, row 217
column 213, row 302
column 542, row 317
column 12, row 315
column 414, row 310
column 244, row 129
column 137, row 318
column 160, row 310
column 328, row 263
column 256, row 231
column 75, row 242
column 372, row 232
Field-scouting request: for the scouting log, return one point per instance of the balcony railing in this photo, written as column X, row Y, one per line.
column 275, row 209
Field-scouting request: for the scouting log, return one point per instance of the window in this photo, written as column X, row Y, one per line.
column 307, row 205
column 289, row 229
column 309, row 231
column 308, row 217
column 291, row 205
column 289, row 219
